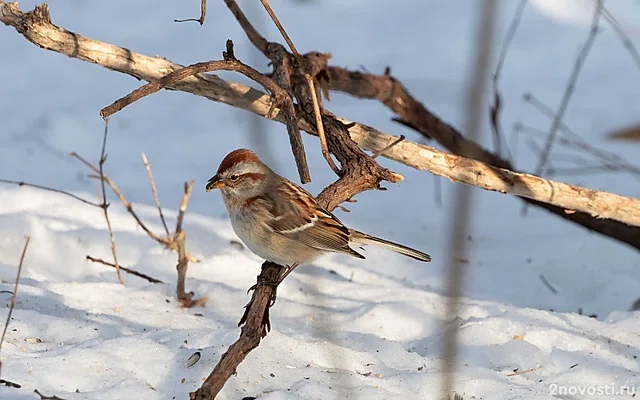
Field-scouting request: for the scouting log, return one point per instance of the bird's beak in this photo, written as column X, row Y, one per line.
column 214, row 183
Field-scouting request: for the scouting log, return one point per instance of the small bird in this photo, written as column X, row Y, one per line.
column 280, row 221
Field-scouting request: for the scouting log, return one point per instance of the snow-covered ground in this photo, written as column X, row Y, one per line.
column 342, row 328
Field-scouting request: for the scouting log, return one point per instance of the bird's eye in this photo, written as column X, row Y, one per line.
column 234, row 177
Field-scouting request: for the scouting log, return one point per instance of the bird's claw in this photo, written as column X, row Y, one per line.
column 263, row 283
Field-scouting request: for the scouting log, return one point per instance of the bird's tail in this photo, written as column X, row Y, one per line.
column 363, row 238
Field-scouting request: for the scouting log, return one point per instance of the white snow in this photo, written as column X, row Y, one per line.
column 342, row 328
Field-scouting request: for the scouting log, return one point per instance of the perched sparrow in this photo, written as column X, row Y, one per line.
column 281, row 222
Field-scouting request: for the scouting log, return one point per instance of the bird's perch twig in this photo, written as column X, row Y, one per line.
column 14, row 295
column 601, row 216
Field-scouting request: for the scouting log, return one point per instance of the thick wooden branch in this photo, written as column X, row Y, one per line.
column 38, row 29
column 389, row 91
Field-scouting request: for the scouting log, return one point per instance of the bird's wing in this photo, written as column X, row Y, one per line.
column 301, row 218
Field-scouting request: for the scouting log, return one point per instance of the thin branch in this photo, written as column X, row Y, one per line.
column 33, row 185
column 154, row 190
column 14, row 295
column 524, row 371
column 461, row 213
column 547, row 284
column 179, row 238
column 203, row 14
column 254, row 37
column 166, row 242
column 576, row 141
column 569, row 89
column 127, row 205
column 4, row 382
column 44, row 397
column 183, row 206
column 312, row 90
column 281, row 98
column 626, row 41
column 496, row 108
column 105, row 205
column 125, row 269
column 382, row 151
column 584, row 166
column 413, row 114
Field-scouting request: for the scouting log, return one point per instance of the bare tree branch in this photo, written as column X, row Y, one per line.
column 312, row 88
column 230, row 63
column 496, row 107
column 179, row 238
column 45, row 397
column 203, row 14
column 125, row 269
column 33, row 185
column 412, row 113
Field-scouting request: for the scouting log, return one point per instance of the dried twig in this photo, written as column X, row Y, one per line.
column 524, row 371
column 174, row 242
column 125, row 269
column 312, row 90
column 574, row 140
column 547, row 284
column 626, row 41
column 496, row 107
column 154, row 190
column 569, row 89
column 14, row 295
column 461, row 212
column 166, row 242
column 413, row 114
column 203, row 14
column 105, row 205
column 377, row 154
column 44, row 397
column 281, row 98
column 4, row 382
column 33, row 185
column 183, row 260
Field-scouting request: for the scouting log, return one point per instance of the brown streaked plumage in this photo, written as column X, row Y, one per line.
column 280, row 221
